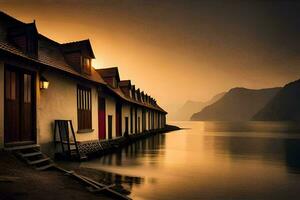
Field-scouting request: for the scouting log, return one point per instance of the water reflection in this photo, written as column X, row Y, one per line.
column 129, row 154
column 292, row 155
column 267, row 149
column 251, row 126
column 208, row 161
column 123, row 183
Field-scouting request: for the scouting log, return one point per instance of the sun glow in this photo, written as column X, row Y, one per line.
column 97, row 64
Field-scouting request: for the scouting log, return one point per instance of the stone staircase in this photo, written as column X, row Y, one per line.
column 32, row 155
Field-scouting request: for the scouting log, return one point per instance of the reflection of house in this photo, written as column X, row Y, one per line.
column 100, row 105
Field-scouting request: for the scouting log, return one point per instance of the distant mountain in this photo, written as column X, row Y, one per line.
column 215, row 98
column 285, row 106
column 238, row 104
column 185, row 112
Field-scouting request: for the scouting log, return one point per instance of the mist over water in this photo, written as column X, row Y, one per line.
column 210, row 160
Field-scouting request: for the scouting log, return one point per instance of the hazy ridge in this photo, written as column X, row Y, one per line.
column 185, row 112
column 285, row 106
column 238, row 104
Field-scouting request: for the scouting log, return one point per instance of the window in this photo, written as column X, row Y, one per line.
column 126, row 126
column 110, row 119
column 27, row 88
column 10, row 85
column 84, row 108
column 114, row 82
column 86, row 68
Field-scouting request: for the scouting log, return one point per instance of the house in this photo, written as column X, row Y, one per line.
column 112, row 104
column 42, row 80
column 125, row 86
column 133, row 116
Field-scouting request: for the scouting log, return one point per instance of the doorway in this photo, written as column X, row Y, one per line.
column 101, row 118
column 126, row 126
column 110, row 126
column 118, row 119
column 19, row 106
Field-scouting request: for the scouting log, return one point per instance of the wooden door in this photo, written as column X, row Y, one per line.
column 118, row 119
column 109, row 127
column 139, row 125
column 131, row 119
column 19, row 112
column 143, row 120
column 101, row 118
column 27, row 107
column 149, row 128
column 135, row 120
column 126, row 125
column 11, row 107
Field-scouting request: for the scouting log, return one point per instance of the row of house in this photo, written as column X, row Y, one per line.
column 42, row 81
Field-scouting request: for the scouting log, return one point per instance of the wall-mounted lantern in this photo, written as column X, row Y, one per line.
column 44, row 83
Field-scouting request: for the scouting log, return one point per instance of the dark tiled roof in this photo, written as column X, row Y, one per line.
column 49, row 52
column 125, row 83
column 22, row 28
column 120, row 94
column 133, row 88
column 78, row 45
column 109, row 72
column 117, row 91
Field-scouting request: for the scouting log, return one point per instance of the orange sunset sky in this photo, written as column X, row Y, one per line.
column 178, row 50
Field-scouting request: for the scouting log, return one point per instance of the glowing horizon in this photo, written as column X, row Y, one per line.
column 177, row 51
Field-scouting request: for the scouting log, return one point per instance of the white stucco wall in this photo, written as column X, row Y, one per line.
column 1, row 104
column 147, row 119
column 59, row 101
column 125, row 113
column 110, row 106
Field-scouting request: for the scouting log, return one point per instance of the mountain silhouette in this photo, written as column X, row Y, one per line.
column 185, row 112
column 285, row 106
column 238, row 104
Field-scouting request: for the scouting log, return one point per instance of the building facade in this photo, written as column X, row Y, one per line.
column 42, row 81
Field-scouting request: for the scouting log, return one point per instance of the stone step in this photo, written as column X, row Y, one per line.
column 45, row 167
column 16, row 148
column 38, row 161
column 26, row 155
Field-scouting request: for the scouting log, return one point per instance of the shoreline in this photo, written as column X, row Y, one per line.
column 19, row 181
column 54, row 184
column 122, row 182
column 96, row 148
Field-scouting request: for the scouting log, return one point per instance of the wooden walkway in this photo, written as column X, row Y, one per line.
column 32, row 155
column 94, row 186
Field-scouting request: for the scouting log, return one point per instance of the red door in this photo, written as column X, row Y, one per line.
column 19, row 118
column 101, row 118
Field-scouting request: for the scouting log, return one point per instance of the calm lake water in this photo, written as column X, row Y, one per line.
column 215, row 160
